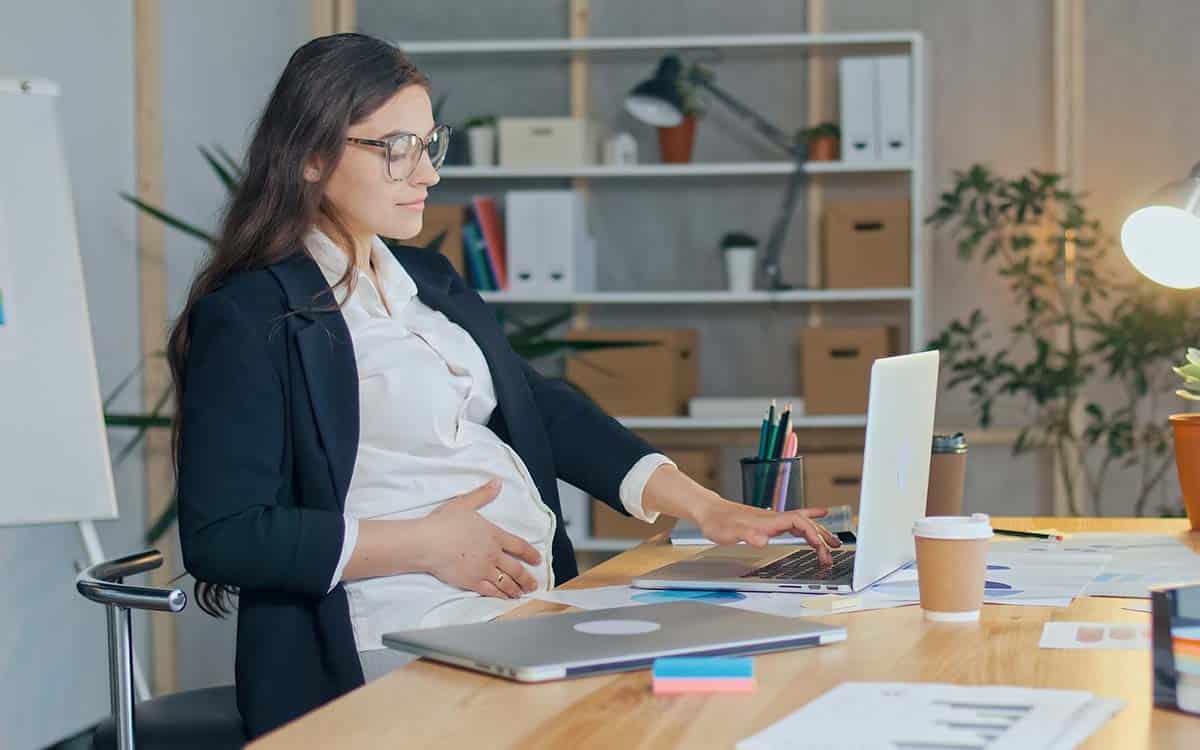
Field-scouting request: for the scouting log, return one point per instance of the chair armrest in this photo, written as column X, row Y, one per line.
column 102, row 583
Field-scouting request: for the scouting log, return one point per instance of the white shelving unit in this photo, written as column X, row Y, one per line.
column 702, row 297
column 729, row 45
column 702, row 169
column 706, row 423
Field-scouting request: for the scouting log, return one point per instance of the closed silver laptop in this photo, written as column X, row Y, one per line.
column 892, row 496
column 553, row 647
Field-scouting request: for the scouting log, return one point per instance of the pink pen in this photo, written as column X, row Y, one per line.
column 790, row 447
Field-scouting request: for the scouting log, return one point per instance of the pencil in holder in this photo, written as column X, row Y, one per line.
column 774, row 483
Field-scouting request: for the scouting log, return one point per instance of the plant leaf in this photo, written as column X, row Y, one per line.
column 169, row 220
column 163, row 522
column 228, row 180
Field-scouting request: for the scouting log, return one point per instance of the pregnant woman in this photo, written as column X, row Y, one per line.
column 358, row 449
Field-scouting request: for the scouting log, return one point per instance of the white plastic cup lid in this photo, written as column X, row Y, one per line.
column 975, row 526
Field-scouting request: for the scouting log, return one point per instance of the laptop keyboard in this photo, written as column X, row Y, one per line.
column 803, row 564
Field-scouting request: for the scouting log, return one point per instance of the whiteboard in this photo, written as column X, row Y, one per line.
column 54, row 463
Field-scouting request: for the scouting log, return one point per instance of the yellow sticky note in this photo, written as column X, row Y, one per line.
column 831, row 602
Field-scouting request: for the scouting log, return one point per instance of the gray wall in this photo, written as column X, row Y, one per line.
column 52, row 642
column 220, row 61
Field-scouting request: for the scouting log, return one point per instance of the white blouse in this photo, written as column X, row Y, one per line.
column 425, row 398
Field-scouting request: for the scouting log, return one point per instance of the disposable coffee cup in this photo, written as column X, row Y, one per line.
column 951, row 565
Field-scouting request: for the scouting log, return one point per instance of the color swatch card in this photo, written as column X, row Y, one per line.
column 1112, row 636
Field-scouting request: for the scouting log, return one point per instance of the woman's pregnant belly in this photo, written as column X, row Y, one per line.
column 414, row 600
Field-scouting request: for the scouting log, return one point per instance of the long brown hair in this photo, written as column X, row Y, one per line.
column 328, row 84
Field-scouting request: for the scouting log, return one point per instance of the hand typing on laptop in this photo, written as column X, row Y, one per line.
column 723, row 521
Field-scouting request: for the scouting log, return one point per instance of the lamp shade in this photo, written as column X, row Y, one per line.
column 658, row 101
column 1162, row 240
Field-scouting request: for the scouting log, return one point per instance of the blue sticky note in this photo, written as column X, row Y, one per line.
column 703, row 667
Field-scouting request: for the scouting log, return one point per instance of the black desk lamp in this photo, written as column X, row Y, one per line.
column 658, row 101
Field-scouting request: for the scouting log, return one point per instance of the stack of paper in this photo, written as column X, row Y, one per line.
column 920, row 716
column 786, row 605
column 1139, row 561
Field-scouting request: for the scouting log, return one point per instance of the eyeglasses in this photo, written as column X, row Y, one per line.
column 402, row 151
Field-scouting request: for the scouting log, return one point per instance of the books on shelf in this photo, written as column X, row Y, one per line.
column 488, row 217
column 484, row 251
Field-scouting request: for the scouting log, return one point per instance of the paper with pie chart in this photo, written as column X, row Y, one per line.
column 1015, row 575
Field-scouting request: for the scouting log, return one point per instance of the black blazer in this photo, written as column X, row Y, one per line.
column 268, row 443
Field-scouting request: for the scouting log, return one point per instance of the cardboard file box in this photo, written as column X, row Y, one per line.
column 701, row 464
column 548, row 141
column 439, row 218
column 643, row 381
column 866, row 245
column 835, row 364
column 832, row 479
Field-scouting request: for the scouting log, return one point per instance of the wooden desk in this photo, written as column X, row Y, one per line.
column 427, row 705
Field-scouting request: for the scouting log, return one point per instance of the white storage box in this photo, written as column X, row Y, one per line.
column 549, row 141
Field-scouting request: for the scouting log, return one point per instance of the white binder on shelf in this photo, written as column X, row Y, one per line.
column 895, row 114
column 549, row 249
column 859, row 104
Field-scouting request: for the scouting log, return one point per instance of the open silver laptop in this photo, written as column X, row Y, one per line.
column 894, row 482
column 553, row 647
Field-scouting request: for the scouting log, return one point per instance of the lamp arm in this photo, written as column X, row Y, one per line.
column 763, row 126
column 772, row 274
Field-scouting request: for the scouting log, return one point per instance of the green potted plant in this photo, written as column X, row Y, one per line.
column 1085, row 352
column 481, row 140
column 675, row 143
column 1187, row 438
column 824, row 141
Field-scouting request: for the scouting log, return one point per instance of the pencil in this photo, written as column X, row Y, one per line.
column 1048, row 535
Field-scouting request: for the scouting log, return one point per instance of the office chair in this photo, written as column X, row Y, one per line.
column 192, row 719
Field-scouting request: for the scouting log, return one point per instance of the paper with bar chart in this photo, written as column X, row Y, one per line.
column 935, row 717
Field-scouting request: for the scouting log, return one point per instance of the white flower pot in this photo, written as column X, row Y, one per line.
column 739, row 267
column 481, row 144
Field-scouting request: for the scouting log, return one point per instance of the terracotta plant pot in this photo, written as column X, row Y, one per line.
column 825, row 148
column 1187, row 461
column 675, row 144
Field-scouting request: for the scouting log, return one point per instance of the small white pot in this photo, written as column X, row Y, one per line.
column 739, row 267
column 481, row 143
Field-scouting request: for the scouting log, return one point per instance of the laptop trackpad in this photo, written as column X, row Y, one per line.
column 707, row 568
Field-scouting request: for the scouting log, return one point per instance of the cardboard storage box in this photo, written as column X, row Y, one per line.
column 835, row 364
column 642, row 381
column 548, row 141
column 701, row 464
column 865, row 245
column 439, row 218
column 832, row 479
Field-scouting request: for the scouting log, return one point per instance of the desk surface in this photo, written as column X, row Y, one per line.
column 426, row 704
